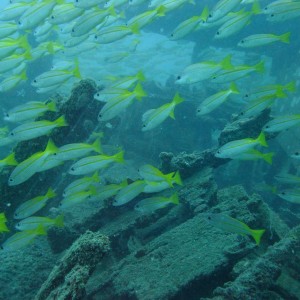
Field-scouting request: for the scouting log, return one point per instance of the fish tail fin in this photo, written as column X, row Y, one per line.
column 59, row 221
column 3, row 227
column 234, row 88
column 291, row 86
column 268, row 157
column 61, row 121
column 93, row 190
column 23, row 75
column 97, row 146
column 262, row 140
column 260, row 67
column 174, row 198
column 279, row 93
column 257, row 234
column 177, row 178
column 51, row 106
column 119, row 157
column 40, row 230
column 96, row 177
column 51, row 147
column 161, row 11
column 140, row 76
column 226, row 63
column 139, row 92
column 285, row 38
column 23, row 42
column 205, row 13
column 50, row 193
column 135, row 28
column 76, row 70
column 256, row 10
column 50, row 48
column 111, row 10
column 10, row 160
column 177, row 99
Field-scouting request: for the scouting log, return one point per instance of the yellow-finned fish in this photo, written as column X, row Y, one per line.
column 93, row 163
column 290, row 195
column 28, row 208
column 153, row 117
column 106, row 191
column 213, row 101
column 129, row 192
column 263, row 39
column 227, row 223
column 22, row 239
column 116, row 105
column 222, row 8
column 203, row 70
column 149, row 205
column 237, row 147
column 55, row 77
column 15, row 10
column 9, row 63
column 189, row 25
column 147, row 17
column 12, row 81
column 76, row 150
column 81, row 184
column 29, row 110
column 35, row 129
column 158, row 186
column 150, row 173
column 77, row 197
column 65, row 13
column 114, row 33
column 89, row 20
column 32, row 223
column 36, row 14
column 9, row 45
column 281, row 123
column 28, row 167
column 253, row 154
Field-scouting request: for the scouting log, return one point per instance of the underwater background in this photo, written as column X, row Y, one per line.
column 149, row 149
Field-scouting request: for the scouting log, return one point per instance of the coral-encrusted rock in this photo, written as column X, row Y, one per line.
column 67, row 279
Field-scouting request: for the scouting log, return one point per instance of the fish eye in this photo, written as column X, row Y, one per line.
column 272, row 15
column 242, row 113
column 73, row 30
column 12, row 134
column 95, row 37
column 209, row 217
column 144, row 125
column 52, row 17
column 282, row 193
column 218, row 33
column 7, row 115
column 297, row 153
column 246, row 96
column 198, row 110
column 1, row 247
column 242, row 41
column 19, row 22
column 218, row 151
column 34, row 80
column 178, row 77
column 267, row 126
column 210, row 15
column 72, row 169
column 172, row 34
column 99, row 116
